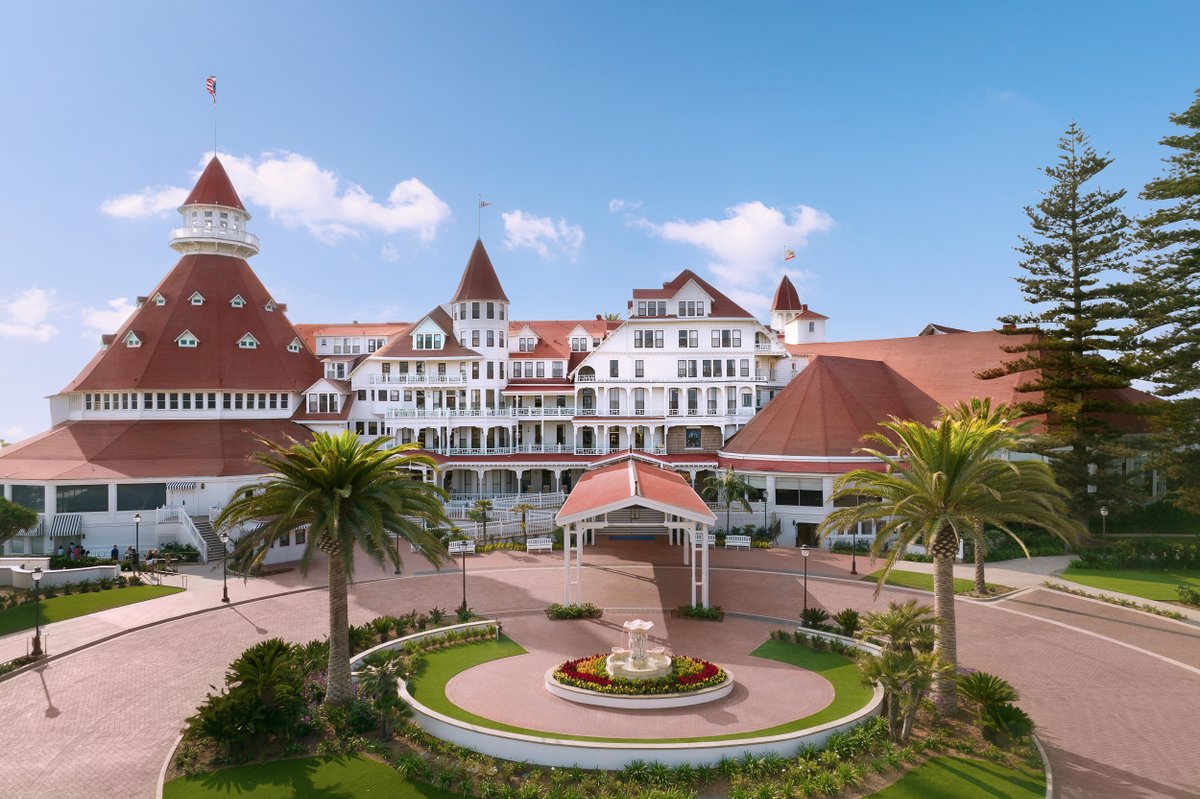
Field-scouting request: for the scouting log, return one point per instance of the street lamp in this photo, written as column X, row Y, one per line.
column 37, row 616
column 804, row 551
column 137, row 532
column 224, row 566
column 397, row 553
column 854, row 549
column 1104, row 527
column 464, row 576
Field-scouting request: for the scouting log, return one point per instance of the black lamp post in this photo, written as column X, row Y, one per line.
column 397, row 553
column 1104, row 527
column 37, row 615
column 464, row 576
column 854, row 549
column 137, row 534
column 804, row 552
column 224, row 566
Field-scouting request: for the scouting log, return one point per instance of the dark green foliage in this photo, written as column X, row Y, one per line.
column 583, row 610
column 985, row 689
column 362, row 636
column 1165, row 301
column 816, row 618
column 1001, row 546
column 711, row 613
column 1078, row 245
column 848, row 621
column 14, row 518
column 1188, row 595
column 1143, row 553
column 1005, row 722
column 185, row 553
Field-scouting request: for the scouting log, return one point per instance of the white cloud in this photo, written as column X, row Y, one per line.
column 390, row 253
column 158, row 201
column 746, row 248
column 106, row 320
column 542, row 234
column 297, row 192
column 617, row 205
column 25, row 315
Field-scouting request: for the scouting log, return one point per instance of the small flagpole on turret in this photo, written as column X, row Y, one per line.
column 211, row 85
column 479, row 217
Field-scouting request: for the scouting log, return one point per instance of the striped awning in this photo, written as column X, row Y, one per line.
column 66, row 525
column 251, row 526
column 182, row 485
column 37, row 531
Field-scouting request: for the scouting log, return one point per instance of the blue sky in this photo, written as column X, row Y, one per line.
column 892, row 146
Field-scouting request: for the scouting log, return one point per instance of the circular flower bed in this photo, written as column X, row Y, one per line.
column 687, row 674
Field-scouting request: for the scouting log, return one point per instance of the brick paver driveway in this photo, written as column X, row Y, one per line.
column 1119, row 719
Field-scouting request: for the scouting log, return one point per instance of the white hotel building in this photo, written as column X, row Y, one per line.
column 159, row 424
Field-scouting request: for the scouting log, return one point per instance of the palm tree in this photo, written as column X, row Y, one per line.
column 523, row 508
column 940, row 483
column 479, row 513
column 348, row 495
column 906, row 678
column 907, row 627
column 380, row 681
column 730, row 487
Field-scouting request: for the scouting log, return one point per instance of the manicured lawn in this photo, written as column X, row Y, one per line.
column 958, row 777
column 68, row 607
column 1146, row 584
column 304, row 778
column 440, row 667
column 922, row 581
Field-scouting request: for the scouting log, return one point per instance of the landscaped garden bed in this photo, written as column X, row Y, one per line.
column 75, row 599
column 687, row 675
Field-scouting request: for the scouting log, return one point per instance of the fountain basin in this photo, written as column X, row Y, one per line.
column 623, row 664
column 583, row 696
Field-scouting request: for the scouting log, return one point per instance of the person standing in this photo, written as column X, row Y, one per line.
column 116, row 553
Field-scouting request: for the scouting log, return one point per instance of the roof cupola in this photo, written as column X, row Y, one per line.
column 214, row 219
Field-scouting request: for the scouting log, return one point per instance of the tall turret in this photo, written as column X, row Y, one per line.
column 480, row 314
column 214, row 219
column 793, row 318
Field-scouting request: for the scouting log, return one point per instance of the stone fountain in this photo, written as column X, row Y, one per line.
column 637, row 662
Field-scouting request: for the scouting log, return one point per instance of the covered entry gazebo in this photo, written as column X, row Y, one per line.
column 635, row 497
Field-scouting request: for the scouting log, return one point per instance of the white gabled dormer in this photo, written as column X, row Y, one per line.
column 248, row 342
column 428, row 336
column 158, row 299
column 196, row 299
column 270, row 306
column 294, row 346
column 690, row 301
column 132, row 340
column 581, row 340
column 237, row 301
column 527, row 340
column 187, row 340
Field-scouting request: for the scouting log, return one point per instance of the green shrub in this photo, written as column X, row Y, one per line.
column 848, row 622
column 712, row 613
column 815, row 618
column 583, row 610
column 1188, row 595
column 1006, row 722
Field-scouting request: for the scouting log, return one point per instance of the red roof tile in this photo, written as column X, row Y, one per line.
column 401, row 344
column 722, row 306
column 786, row 297
column 145, row 449
column 309, row 333
column 218, row 362
column 479, row 280
column 628, row 481
column 214, row 188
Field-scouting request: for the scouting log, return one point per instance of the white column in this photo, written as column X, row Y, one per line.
column 691, row 533
column 579, row 537
column 567, row 564
column 704, row 569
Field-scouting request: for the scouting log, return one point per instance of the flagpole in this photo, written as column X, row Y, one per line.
column 479, row 219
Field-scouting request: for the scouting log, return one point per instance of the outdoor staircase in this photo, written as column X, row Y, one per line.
column 216, row 550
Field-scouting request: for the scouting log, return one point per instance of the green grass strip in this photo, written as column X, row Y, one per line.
column 957, row 777
column 304, row 778
column 924, row 582
column 441, row 666
column 68, row 607
column 1158, row 585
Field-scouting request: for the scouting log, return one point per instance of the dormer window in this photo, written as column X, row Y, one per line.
column 427, row 341
column 526, row 344
column 131, row 340
column 186, row 339
column 294, row 346
column 270, row 306
column 691, row 308
column 158, row 299
column 237, row 301
column 196, row 299
column 248, row 342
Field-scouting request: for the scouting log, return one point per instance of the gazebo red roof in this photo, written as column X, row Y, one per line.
column 633, row 482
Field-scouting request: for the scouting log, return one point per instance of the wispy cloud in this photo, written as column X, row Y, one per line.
column 25, row 315
column 542, row 234
column 616, row 205
column 106, row 320
column 746, row 247
column 297, row 192
column 390, row 253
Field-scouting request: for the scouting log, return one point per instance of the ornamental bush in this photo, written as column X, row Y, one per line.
column 687, row 674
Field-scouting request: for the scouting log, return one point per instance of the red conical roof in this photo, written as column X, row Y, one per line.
column 214, row 188
column 479, row 281
column 786, row 297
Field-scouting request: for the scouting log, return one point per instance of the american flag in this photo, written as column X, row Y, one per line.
column 789, row 254
column 211, row 85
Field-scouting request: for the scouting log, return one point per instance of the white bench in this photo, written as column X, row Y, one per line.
column 461, row 547
column 539, row 545
column 735, row 541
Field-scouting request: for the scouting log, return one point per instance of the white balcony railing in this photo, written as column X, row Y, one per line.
column 544, row 449
column 214, row 234
column 421, row 378
column 392, row 412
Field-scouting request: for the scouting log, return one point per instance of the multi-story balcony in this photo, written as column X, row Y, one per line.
column 661, row 413
column 757, row 377
column 419, row 378
column 392, row 412
column 542, row 449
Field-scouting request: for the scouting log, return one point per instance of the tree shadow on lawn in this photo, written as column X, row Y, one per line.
column 973, row 773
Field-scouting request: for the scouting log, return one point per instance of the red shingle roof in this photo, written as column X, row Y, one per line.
column 554, row 336
column 309, row 333
column 214, row 188
column 628, row 482
column 722, row 306
column 401, row 344
column 479, row 280
column 145, row 449
column 218, row 362
column 786, row 297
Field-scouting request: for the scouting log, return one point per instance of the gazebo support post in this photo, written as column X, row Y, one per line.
column 704, row 567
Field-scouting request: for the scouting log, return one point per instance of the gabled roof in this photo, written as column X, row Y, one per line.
column 554, row 336
column 786, row 297
column 932, row 329
column 309, row 333
column 630, row 483
column 214, row 188
column 145, row 449
column 722, row 306
column 479, row 280
column 217, row 362
column 827, row 409
column 401, row 345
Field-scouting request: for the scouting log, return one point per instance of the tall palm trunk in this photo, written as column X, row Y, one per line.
column 339, row 689
column 980, row 577
column 945, row 692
